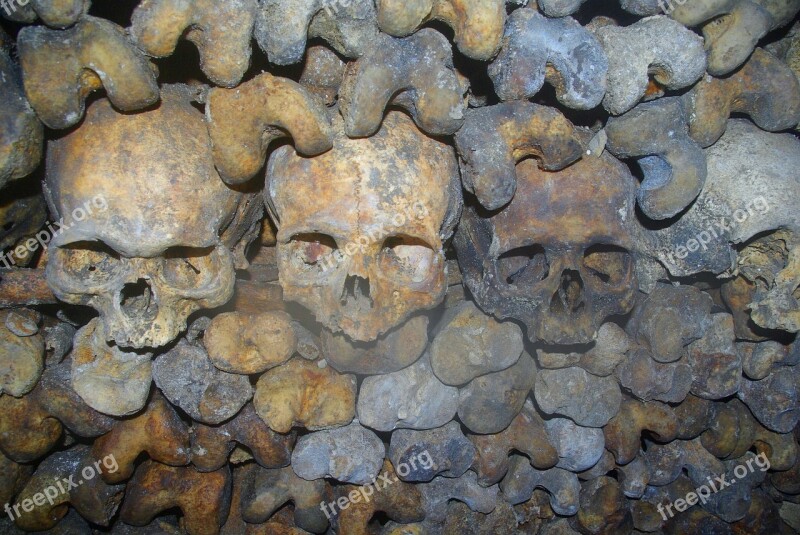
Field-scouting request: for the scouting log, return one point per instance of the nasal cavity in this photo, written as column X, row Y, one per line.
column 356, row 292
column 569, row 297
column 137, row 300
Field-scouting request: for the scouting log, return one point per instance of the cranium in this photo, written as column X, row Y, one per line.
column 143, row 210
column 560, row 256
column 360, row 228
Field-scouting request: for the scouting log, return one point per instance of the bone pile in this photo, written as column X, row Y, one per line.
column 391, row 267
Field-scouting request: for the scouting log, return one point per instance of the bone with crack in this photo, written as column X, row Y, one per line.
column 669, row 318
column 744, row 196
column 526, row 435
column 110, row 380
column 634, row 477
column 494, row 138
column 249, row 344
column 761, row 359
column 648, row 379
column 21, row 355
column 774, row 400
column 301, row 393
column 448, row 452
column 266, row 491
column 415, row 73
column 157, row 431
column 54, row 393
column 147, row 251
column 323, row 73
column 667, row 461
column 468, row 343
column 439, row 491
column 212, row 445
column 221, row 31
column 393, row 351
column 673, row 165
column 350, row 454
column 764, row 89
column 716, row 363
column 579, row 448
column 399, row 501
column 559, row 51
column 573, row 392
column 522, row 479
column 603, row 508
column 55, row 64
column 284, row 26
column 560, row 273
column 676, row 59
column 22, row 133
column 490, row 402
column 244, row 121
column 384, row 261
column 27, row 431
column 54, row 13
column 202, row 497
column 478, row 26
column 623, row 434
column 92, row 498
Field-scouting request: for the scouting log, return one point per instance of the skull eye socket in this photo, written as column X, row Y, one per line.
column 524, row 265
column 88, row 261
column 609, row 264
column 407, row 258
column 311, row 250
column 189, row 267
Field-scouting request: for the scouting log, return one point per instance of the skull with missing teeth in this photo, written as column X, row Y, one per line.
column 559, row 257
column 143, row 209
column 361, row 227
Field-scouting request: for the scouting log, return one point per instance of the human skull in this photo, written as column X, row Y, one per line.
column 559, row 257
column 143, row 209
column 360, row 228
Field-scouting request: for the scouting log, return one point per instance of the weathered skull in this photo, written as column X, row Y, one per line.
column 361, row 227
column 143, row 210
column 559, row 257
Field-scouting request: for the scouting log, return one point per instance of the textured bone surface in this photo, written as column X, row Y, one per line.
column 571, row 264
column 393, row 351
column 412, row 398
column 350, row 454
column 675, row 59
column 467, row 344
column 221, row 30
column 489, row 403
column 54, row 65
column 560, row 51
column 478, row 26
column 415, row 73
column 54, row 13
column 522, row 479
column 284, row 26
column 27, row 431
column 449, row 452
column 716, row 363
column 623, row 434
column 148, row 254
column 188, row 378
column 573, row 392
column 395, row 198
column 303, row 393
column 21, row 354
column 244, row 121
column 579, row 448
column 248, row 344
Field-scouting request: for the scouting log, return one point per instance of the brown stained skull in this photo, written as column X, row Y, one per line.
column 560, row 256
column 361, row 228
column 143, row 209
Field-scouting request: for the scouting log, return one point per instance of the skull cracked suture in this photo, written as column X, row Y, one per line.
column 361, row 228
column 400, row 267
